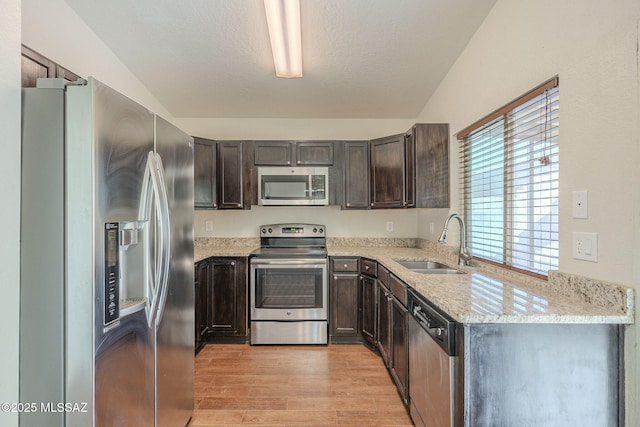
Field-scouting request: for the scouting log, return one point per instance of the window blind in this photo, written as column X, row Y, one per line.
column 509, row 182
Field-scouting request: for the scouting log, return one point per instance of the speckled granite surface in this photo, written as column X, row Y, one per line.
column 205, row 247
column 484, row 293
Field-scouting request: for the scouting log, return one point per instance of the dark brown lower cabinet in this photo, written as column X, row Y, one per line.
column 227, row 298
column 368, row 313
column 384, row 324
column 400, row 347
column 202, row 280
column 221, row 300
column 345, row 291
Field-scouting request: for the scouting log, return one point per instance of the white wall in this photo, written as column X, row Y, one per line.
column 593, row 47
column 10, row 83
column 53, row 29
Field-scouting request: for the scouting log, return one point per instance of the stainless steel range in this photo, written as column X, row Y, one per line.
column 289, row 285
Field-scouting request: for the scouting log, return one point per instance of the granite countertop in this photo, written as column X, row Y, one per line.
column 483, row 294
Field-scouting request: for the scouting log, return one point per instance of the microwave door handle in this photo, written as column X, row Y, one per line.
column 310, row 192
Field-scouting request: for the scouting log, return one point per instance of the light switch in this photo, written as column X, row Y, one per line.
column 580, row 205
column 585, row 246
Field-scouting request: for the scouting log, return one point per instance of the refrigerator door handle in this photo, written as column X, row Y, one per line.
column 165, row 244
column 153, row 189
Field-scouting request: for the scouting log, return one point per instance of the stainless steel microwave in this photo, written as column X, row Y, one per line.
column 297, row 186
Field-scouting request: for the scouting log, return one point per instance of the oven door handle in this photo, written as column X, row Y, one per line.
column 301, row 261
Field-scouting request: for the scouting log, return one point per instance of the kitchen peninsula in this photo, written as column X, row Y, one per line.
column 528, row 349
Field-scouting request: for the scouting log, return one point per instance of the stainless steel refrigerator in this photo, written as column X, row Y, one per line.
column 107, row 294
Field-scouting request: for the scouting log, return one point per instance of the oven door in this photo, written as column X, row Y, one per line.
column 288, row 289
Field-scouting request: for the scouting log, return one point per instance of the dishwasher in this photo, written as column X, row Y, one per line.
column 432, row 364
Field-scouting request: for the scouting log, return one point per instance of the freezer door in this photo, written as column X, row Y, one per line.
column 108, row 141
column 175, row 317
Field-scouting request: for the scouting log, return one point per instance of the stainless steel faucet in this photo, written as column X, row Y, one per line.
column 464, row 256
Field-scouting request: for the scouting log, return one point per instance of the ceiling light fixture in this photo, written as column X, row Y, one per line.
column 283, row 19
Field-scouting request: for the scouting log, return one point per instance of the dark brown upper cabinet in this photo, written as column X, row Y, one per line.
column 231, row 171
column 273, row 153
column 205, row 155
column 392, row 172
column 35, row 66
column 314, row 153
column 411, row 169
column 432, row 165
column 356, row 175
column 293, row 153
column 221, row 176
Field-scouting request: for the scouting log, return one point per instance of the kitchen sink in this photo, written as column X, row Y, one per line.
column 428, row 267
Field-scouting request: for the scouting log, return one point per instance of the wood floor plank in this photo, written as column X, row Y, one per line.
column 283, row 386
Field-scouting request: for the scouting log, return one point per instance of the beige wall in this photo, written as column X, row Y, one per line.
column 592, row 45
column 339, row 223
column 10, row 195
column 336, row 129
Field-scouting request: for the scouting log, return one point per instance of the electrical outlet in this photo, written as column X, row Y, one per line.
column 389, row 225
column 208, row 225
column 585, row 246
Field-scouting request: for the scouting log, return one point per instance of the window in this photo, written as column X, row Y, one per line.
column 509, row 182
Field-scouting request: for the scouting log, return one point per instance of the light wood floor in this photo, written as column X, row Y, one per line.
column 345, row 385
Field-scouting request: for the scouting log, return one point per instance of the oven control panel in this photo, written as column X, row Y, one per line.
column 293, row 230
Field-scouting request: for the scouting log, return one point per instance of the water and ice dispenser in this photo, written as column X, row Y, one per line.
column 127, row 269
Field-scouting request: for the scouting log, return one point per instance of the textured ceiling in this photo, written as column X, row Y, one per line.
column 361, row 58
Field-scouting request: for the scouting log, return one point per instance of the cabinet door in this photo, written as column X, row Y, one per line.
column 400, row 347
column 356, row 175
column 272, row 153
column 227, row 297
column 368, row 321
column 202, row 282
column 344, row 305
column 316, row 153
column 63, row 73
column 432, row 159
column 409, row 170
column 384, row 324
column 388, row 172
column 230, row 175
column 204, row 170
column 35, row 66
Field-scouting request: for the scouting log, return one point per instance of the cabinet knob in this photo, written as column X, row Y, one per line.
column 239, row 205
column 288, row 162
column 335, row 277
column 366, row 267
column 348, row 204
column 215, row 205
column 233, row 263
column 371, row 204
column 346, row 265
column 299, row 162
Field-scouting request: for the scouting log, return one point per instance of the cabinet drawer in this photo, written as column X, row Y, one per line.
column 344, row 265
column 368, row 267
column 399, row 289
